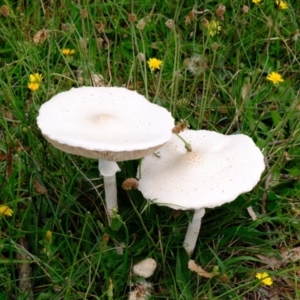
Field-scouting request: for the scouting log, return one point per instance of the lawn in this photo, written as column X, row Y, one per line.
column 230, row 67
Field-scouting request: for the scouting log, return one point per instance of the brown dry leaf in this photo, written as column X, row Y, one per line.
column 39, row 188
column 272, row 262
column 8, row 115
column 292, row 255
column 41, row 36
column 223, row 110
column 97, row 80
column 195, row 268
column 274, row 293
column 291, row 283
column 287, row 256
column 245, row 90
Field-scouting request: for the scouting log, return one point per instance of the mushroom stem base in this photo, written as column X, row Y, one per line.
column 110, row 189
column 193, row 231
column 108, row 170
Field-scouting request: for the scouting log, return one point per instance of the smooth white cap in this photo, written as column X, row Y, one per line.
column 112, row 123
column 220, row 168
column 145, row 268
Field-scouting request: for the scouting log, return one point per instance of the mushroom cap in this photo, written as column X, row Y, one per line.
column 111, row 123
column 145, row 268
column 219, row 168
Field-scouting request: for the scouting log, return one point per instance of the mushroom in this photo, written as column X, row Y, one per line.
column 219, row 168
column 145, row 268
column 111, row 124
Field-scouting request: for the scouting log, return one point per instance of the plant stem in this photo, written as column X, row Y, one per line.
column 187, row 145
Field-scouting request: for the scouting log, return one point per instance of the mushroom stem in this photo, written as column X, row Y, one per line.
column 193, row 231
column 108, row 170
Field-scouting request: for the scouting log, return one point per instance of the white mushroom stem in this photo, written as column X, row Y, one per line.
column 108, row 170
column 193, row 231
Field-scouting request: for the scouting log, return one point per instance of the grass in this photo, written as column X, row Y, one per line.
column 49, row 190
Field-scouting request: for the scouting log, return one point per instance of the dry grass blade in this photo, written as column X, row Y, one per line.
column 195, row 268
column 251, row 213
column 24, row 271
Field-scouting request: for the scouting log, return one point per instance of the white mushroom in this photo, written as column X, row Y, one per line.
column 107, row 123
column 218, row 169
column 145, row 268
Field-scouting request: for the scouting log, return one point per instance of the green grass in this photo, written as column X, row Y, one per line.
column 231, row 95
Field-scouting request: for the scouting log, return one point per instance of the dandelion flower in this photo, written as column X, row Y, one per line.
column 282, row 4
column 154, row 63
column 35, row 78
column 213, row 27
column 5, row 210
column 33, row 86
column 197, row 64
column 67, row 51
column 256, row 1
column 275, row 77
column 264, row 278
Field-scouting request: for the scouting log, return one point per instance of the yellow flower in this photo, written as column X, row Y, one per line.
column 275, row 77
column 213, row 27
column 154, row 63
column 282, row 4
column 48, row 238
column 256, row 1
column 35, row 78
column 264, row 278
column 5, row 210
column 67, row 51
column 33, row 86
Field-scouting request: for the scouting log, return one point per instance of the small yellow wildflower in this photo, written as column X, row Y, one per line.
column 5, row 210
column 282, row 4
column 35, row 78
column 67, row 51
column 213, row 27
column 275, row 77
column 256, row 1
column 154, row 63
column 33, row 86
column 264, row 278
column 48, row 238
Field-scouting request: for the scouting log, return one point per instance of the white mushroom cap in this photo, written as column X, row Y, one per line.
column 145, row 268
column 218, row 169
column 112, row 123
